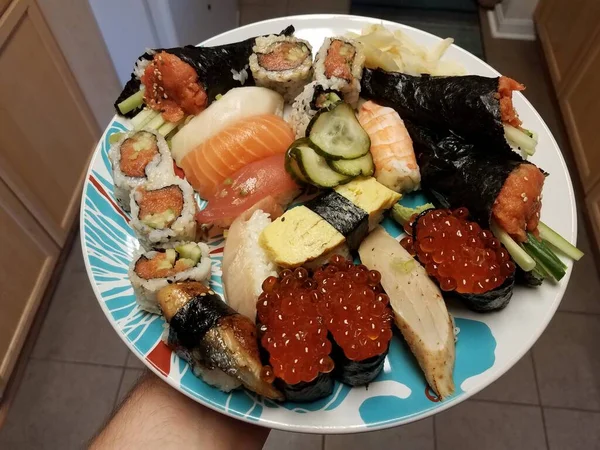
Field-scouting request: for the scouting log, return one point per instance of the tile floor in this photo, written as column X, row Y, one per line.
column 79, row 369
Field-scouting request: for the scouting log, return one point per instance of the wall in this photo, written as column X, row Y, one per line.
column 73, row 26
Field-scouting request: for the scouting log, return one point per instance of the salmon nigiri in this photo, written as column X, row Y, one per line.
column 245, row 188
column 391, row 147
column 241, row 143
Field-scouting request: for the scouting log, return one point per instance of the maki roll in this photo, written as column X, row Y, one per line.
column 467, row 261
column 162, row 212
column 307, row 104
column 294, row 336
column 135, row 158
column 220, row 344
column 358, row 319
column 339, row 65
column 282, row 63
column 153, row 270
column 477, row 108
column 185, row 80
column 499, row 185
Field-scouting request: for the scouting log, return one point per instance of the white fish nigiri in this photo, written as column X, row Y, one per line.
column 391, row 147
column 245, row 264
column 419, row 309
column 236, row 104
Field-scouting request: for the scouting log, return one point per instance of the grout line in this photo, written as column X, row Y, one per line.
column 539, row 393
column 435, row 441
column 116, row 400
column 581, row 313
column 323, row 442
column 80, row 363
column 570, row 408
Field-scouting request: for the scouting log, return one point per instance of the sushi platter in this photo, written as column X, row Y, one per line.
column 327, row 223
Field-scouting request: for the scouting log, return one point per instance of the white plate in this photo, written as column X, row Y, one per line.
column 488, row 344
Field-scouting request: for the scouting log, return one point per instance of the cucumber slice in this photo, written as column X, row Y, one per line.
column 292, row 167
column 314, row 167
column 354, row 167
column 337, row 133
column 190, row 251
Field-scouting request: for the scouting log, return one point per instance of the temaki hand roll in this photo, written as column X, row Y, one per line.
column 185, row 80
column 220, row 344
column 474, row 107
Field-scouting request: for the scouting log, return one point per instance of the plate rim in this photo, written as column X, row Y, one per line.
column 311, row 429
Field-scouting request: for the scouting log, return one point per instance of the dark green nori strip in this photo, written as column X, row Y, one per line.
column 458, row 173
column 488, row 301
column 192, row 321
column 320, row 90
column 355, row 373
column 213, row 65
column 343, row 215
column 320, row 387
column 467, row 105
column 530, row 279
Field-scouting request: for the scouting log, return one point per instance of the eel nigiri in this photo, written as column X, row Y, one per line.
column 208, row 333
column 391, row 147
column 419, row 309
column 241, row 143
column 249, row 185
column 245, row 264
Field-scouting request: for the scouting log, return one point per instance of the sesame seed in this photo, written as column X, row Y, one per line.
column 526, row 179
column 203, row 294
column 346, row 333
column 165, row 95
column 524, row 199
column 279, row 316
column 305, row 349
column 346, row 321
column 522, row 194
column 211, row 292
column 265, row 303
column 287, row 341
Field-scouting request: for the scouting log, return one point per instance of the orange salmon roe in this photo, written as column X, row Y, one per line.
column 457, row 252
column 293, row 330
column 355, row 309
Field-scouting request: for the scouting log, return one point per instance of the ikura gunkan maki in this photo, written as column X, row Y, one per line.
column 464, row 259
column 294, row 336
column 358, row 318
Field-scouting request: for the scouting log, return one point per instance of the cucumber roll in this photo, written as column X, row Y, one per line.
column 162, row 212
column 135, row 158
column 282, row 63
column 339, row 66
column 153, row 270
column 314, row 96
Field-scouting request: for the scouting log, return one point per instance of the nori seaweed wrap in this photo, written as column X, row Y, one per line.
column 468, row 105
column 216, row 68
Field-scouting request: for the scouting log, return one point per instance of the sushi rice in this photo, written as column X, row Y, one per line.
column 182, row 229
column 146, row 289
column 160, row 168
column 288, row 82
column 350, row 90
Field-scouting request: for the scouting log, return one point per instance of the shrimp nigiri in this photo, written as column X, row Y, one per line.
column 391, row 147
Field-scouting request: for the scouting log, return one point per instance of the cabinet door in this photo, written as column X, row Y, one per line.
column 26, row 262
column 580, row 104
column 566, row 29
column 46, row 128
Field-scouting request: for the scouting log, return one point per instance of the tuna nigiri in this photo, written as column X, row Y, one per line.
column 391, row 147
column 244, row 189
column 241, row 143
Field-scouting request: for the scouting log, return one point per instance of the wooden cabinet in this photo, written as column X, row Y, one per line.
column 570, row 36
column 46, row 138
column 26, row 260
column 46, row 128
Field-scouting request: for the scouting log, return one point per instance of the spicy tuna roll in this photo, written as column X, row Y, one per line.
column 162, row 212
column 135, row 158
column 153, row 270
column 282, row 63
column 339, row 66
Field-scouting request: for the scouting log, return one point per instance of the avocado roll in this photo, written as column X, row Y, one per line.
column 135, row 158
column 153, row 270
column 339, row 66
column 466, row 261
column 162, row 212
column 220, row 344
column 474, row 107
column 358, row 319
column 293, row 336
column 282, row 63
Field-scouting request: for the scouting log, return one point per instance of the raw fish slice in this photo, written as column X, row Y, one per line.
column 419, row 309
column 245, row 264
column 245, row 188
column 213, row 335
column 242, row 143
